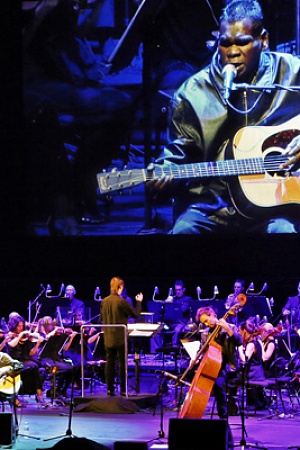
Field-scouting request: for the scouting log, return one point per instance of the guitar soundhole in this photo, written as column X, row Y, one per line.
column 272, row 161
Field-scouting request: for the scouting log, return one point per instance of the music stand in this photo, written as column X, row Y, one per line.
column 53, row 347
column 51, row 351
column 137, row 31
column 257, row 305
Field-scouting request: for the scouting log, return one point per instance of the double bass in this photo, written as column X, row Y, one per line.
column 207, row 372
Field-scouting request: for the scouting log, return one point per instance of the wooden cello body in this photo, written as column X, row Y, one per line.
column 207, row 372
column 202, row 384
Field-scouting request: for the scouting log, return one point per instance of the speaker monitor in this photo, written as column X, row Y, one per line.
column 130, row 445
column 7, row 435
column 198, row 434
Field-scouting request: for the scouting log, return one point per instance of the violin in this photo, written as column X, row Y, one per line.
column 266, row 334
column 32, row 337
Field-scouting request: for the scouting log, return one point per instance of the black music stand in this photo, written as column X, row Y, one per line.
column 51, row 351
column 53, row 347
column 139, row 30
column 257, row 305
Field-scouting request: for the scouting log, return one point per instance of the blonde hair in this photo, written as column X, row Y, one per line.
column 115, row 284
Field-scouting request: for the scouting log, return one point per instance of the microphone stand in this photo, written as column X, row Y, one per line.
column 243, row 443
column 160, row 392
column 68, row 432
column 32, row 302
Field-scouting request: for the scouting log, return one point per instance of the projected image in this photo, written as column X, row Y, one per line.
column 140, row 121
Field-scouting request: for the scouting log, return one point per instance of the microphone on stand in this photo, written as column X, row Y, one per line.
column 48, row 290
column 250, row 288
column 216, row 291
column 155, row 292
column 97, row 295
column 62, row 288
column 199, row 291
column 170, row 294
column 229, row 73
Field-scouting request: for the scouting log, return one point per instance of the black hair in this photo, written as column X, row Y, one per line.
column 179, row 283
column 13, row 322
column 237, row 10
column 242, row 282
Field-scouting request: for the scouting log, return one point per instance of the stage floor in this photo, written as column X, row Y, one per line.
column 142, row 419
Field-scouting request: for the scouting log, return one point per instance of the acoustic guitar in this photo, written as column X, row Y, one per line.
column 255, row 179
column 9, row 384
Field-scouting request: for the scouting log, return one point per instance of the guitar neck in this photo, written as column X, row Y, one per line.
column 231, row 167
column 118, row 180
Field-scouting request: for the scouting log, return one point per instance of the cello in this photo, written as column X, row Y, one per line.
column 207, row 372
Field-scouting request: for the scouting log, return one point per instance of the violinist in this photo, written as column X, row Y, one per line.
column 22, row 347
column 48, row 329
column 229, row 339
column 4, row 338
column 251, row 355
column 270, row 347
column 72, row 348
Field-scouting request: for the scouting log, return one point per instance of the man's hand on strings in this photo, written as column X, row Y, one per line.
column 293, row 150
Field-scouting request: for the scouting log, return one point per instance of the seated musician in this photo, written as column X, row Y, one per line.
column 251, row 354
column 232, row 299
column 273, row 364
column 229, row 339
column 184, row 301
column 291, row 310
column 47, row 328
column 4, row 338
column 23, row 346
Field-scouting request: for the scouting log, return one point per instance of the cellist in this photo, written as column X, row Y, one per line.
column 229, row 339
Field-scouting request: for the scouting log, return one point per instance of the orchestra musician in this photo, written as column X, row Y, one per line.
column 229, row 339
column 23, row 346
column 64, row 368
column 292, row 309
column 184, row 300
column 251, row 355
column 71, row 309
column 270, row 347
column 232, row 299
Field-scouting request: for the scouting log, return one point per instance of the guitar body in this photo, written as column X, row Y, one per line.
column 261, row 193
column 199, row 393
column 9, row 385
